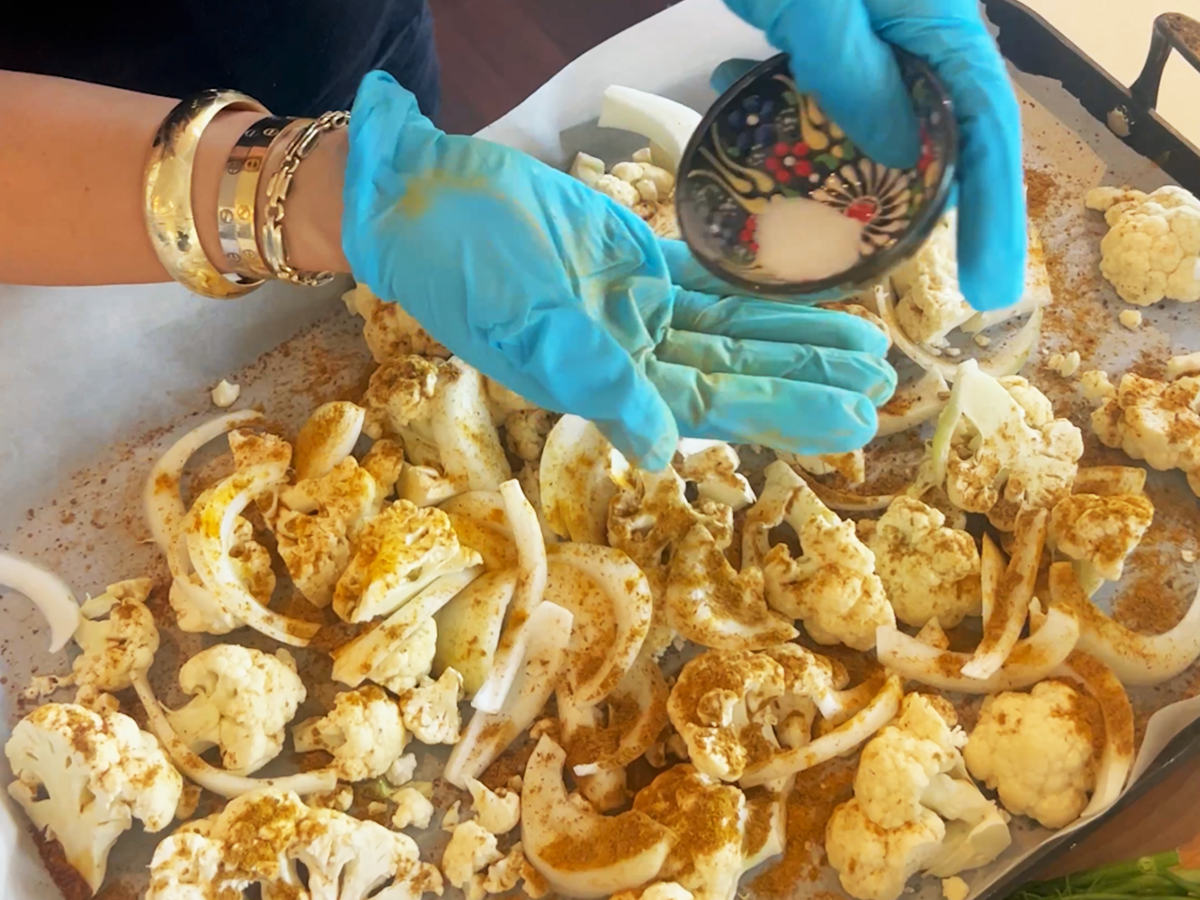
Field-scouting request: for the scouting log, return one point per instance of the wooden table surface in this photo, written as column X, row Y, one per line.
column 494, row 54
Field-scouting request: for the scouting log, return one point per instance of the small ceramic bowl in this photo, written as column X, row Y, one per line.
column 763, row 138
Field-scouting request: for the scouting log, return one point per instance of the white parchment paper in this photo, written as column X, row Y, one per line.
column 94, row 384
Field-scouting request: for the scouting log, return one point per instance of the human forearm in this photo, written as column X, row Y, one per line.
column 72, row 159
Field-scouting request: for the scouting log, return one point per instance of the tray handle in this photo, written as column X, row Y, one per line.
column 1171, row 31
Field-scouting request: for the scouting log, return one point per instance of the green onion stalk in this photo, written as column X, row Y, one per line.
column 1174, row 873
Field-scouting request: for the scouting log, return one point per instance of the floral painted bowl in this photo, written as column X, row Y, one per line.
column 763, row 139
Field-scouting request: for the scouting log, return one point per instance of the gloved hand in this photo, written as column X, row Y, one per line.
column 569, row 299
column 838, row 52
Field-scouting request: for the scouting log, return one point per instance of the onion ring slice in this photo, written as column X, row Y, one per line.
column 50, row 594
column 210, row 538
column 1032, row 660
column 1136, row 659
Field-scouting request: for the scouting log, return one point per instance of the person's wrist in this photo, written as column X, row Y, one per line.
column 312, row 229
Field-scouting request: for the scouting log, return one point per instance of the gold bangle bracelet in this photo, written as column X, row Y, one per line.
column 168, row 194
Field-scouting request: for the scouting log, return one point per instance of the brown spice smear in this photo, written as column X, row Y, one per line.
column 816, row 792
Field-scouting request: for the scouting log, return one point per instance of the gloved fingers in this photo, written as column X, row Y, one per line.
column 728, row 72
column 836, row 55
column 788, row 324
column 859, row 373
column 382, row 96
column 795, row 416
column 991, row 198
column 565, row 361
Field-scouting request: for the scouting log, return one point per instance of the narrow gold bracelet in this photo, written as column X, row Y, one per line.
column 167, row 197
column 278, row 185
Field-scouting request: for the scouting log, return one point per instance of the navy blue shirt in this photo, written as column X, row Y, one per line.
column 297, row 58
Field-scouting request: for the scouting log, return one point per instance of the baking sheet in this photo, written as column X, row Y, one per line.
column 98, row 383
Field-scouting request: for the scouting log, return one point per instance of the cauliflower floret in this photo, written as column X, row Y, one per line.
column 931, row 304
column 721, row 707
column 431, row 711
column 115, row 647
column 412, row 808
column 832, row 587
column 713, row 469
column 1100, row 531
column 363, row 731
column 928, row 570
column 226, row 393
column 471, row 849
column 398, row 553
column 499, row 812
column 874, row 863
column 587, row 168
column 83, row 777
column 390, row 332
column 647, row 519
column 264, row 837
column 660, row 890
column 1154, row 421
column 1008, row 452
column 896, row 769
column 317, row 520
column 242, row 700
column 1037, row 751
column 402, row 770
column 404, row 663
column 621, row 191
column 525, row 432
column 811, row 683
column 851, row 466
column 709, row 821
column 1152, row 249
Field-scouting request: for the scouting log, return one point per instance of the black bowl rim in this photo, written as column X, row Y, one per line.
column 874, row 267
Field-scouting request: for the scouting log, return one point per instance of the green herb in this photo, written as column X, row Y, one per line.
column 1149, row 877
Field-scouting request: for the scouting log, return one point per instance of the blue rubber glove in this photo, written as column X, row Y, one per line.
column 838, row 52
column 567, row 298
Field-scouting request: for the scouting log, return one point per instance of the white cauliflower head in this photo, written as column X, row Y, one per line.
column 1152, row 249
column 430, row 711
column 398, row 553
column 1100, row 531
column 1037, row 751
column 390, row 332
column 1008, row 452
column 413, row 808
column 83, row 777
column 242, row 700
column 471, row 848
column 928, row 569
column 364, row 732
column 402, row 665
column 875, row 863
column 721, row 705
column 1154, row 421
column 263, row 838
column 119, row 645
column 832, row 587
column 496, row 811
column 931, row 303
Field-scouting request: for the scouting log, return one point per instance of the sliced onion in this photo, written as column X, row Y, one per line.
column 1116, row 759
column 163, row 505
column 540, row 659
column 327, row 438
column 531, row 586
column 578, row 475
column 842, row 740
column 921, row 399
column 50, row 594
column 1109, row 481
column 211, row 540
column 628, row 607
column 222, row 783
column 1032, row 660
column 847, row 501
column 1010, row 608
column 1137, row 659
column 1009, row 362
